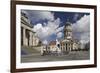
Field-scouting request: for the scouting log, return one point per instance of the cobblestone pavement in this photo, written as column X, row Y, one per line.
column 74, row 55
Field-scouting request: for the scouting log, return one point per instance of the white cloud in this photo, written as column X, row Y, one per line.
column 82, row 25
column 39, row 26
column 82, row 29
column 41, row 32
column 39, row 15
column 59, row 29
column 59, row 35
column 54, row 24
column 52, row 27
column 45, row 42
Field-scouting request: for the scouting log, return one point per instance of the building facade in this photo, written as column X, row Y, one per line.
column 68, row 43
column 28, row 37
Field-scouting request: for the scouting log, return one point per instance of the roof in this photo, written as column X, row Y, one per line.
column 52, row 43
column 68, row 24
column 23, row 14
column 25, row 20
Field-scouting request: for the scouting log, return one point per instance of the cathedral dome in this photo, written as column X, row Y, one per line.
column 68, row 26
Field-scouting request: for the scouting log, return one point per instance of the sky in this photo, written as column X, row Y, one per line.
column 49, row 25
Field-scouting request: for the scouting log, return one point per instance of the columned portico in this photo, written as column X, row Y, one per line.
column 27, row 37
column 27, row 34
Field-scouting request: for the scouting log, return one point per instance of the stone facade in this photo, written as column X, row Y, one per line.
column 68, row 43
column 28, row 37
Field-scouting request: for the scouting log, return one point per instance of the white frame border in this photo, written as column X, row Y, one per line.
column 57, row 63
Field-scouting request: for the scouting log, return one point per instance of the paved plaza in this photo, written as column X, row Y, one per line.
column 74, row 55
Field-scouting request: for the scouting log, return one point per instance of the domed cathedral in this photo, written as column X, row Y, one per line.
column 68, row 31
column 68, row 43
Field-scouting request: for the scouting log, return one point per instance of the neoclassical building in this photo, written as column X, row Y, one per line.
column 67, row 44
column 28, row 37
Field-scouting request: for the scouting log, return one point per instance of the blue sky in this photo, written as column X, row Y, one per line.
column 49, row 25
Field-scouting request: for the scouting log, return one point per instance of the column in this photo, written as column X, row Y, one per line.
column 68, row 46
column 30, row 38
column 65, row 47
column 24, row 36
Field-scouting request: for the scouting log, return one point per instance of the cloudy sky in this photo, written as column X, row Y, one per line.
column 49, row 25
